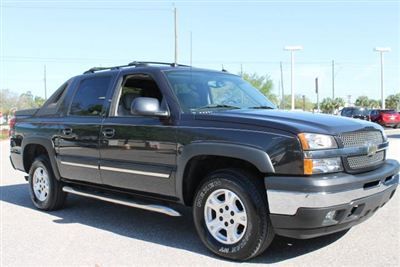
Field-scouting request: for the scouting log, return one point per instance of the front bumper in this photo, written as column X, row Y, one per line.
column 299, row 206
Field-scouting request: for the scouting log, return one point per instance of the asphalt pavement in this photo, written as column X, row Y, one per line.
column 89, row 232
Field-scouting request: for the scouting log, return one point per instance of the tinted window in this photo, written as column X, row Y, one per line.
column 199, row 90
column 90, row 96
column 360, row 112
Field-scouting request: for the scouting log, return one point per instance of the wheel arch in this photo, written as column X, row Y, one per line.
column 32, row 147
column 196, row 160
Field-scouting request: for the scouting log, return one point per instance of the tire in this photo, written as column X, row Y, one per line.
column 45, row 190
column 251, row 236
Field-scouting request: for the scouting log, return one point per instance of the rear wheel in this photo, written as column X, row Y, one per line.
column 45, row 190
column 231, row 214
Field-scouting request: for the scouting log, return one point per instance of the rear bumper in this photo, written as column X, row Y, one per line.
column 306, row 207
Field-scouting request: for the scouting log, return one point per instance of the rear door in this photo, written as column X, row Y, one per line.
column 78, row 145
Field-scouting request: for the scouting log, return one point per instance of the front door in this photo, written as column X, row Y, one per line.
column 138, row 152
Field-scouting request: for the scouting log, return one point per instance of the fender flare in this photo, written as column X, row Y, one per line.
column 48, row 145
column 259, row 158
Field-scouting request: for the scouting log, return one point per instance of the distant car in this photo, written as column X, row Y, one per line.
column 386, row 117
column 356, row 112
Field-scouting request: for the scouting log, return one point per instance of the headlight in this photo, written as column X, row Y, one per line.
column 310, row 141
column 315, row 166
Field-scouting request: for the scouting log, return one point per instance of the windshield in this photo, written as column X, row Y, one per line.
column 203, row 90
column 361, row 112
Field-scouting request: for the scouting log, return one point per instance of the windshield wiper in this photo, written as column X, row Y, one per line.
column 262, row 107
column 217, row 106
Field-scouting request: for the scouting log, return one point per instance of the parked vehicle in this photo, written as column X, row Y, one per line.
column 146, row 135
column 386, row 117
column 356, row 112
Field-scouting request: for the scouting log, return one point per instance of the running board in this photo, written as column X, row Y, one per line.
column 127, row 202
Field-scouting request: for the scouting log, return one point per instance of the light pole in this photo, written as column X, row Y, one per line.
column 292, row 49
column 381, row 50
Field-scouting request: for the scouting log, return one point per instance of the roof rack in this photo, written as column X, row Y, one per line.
column 134, row 64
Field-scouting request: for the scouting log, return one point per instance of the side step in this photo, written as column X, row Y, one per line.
column 127, row 202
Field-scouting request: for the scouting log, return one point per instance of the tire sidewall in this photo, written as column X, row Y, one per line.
column 43, row 163
column 249, row 242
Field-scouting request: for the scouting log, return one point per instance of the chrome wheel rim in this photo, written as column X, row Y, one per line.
column 40, row 184
column 225, row 216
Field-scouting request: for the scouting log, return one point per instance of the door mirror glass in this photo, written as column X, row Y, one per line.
column 147, row 106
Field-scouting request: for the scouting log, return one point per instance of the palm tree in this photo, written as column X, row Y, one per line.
column 393, row 101
column 327, row 105
column 373, row 103
column 362, row 101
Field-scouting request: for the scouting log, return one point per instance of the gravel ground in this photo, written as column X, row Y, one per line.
column 94, row 233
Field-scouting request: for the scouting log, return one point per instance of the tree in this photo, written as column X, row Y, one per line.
column 338, row 103
column 362, row 101
column 262, row 83
column 393, row 101
column 8, row 100
column 327, row 105
column 373, row 103
column 298, row 102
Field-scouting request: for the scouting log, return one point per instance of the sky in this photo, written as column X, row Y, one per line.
column 69, row 37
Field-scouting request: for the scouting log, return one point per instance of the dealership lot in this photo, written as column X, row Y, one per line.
column 89, row 232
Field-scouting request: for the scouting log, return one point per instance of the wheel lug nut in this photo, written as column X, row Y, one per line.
column 221, row 210
column 226, row 207
column 231, row 221
column 220, row 218
column 232, row 213
column 226, row 224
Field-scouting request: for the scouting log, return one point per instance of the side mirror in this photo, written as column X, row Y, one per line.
column 147, row 106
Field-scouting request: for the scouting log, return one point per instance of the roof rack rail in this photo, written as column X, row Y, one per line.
column 145, row 63
column 134, row 64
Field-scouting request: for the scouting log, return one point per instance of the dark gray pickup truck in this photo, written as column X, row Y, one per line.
column 148, row 135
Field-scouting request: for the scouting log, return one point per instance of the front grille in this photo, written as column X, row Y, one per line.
column 360, row 162
column 362, row 138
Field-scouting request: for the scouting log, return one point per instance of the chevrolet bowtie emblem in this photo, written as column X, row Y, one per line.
column 371, row 149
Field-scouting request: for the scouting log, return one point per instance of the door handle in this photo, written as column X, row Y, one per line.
column 67, row 131
column 108, row 133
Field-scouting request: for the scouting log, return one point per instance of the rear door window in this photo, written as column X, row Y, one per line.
column 90, row 96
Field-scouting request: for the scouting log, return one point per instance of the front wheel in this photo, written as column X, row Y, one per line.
column 231, row 214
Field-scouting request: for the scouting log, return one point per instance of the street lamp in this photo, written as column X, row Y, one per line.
column 381, row 50
column 292, row 49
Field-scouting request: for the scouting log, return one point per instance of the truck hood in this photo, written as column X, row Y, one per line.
column 294, row 122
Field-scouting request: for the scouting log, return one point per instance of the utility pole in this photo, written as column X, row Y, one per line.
column 191, row 50
column 176, row 35
column 317, row 92
column 241, row 70
column 292, row 49
column 283, row 90
column 304, row 103
column 382, row 50
column 45, row 83
column 333, row 79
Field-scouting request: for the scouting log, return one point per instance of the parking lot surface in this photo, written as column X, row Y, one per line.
column 88, row 232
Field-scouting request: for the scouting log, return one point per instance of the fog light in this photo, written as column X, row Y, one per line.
column 329, row 218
